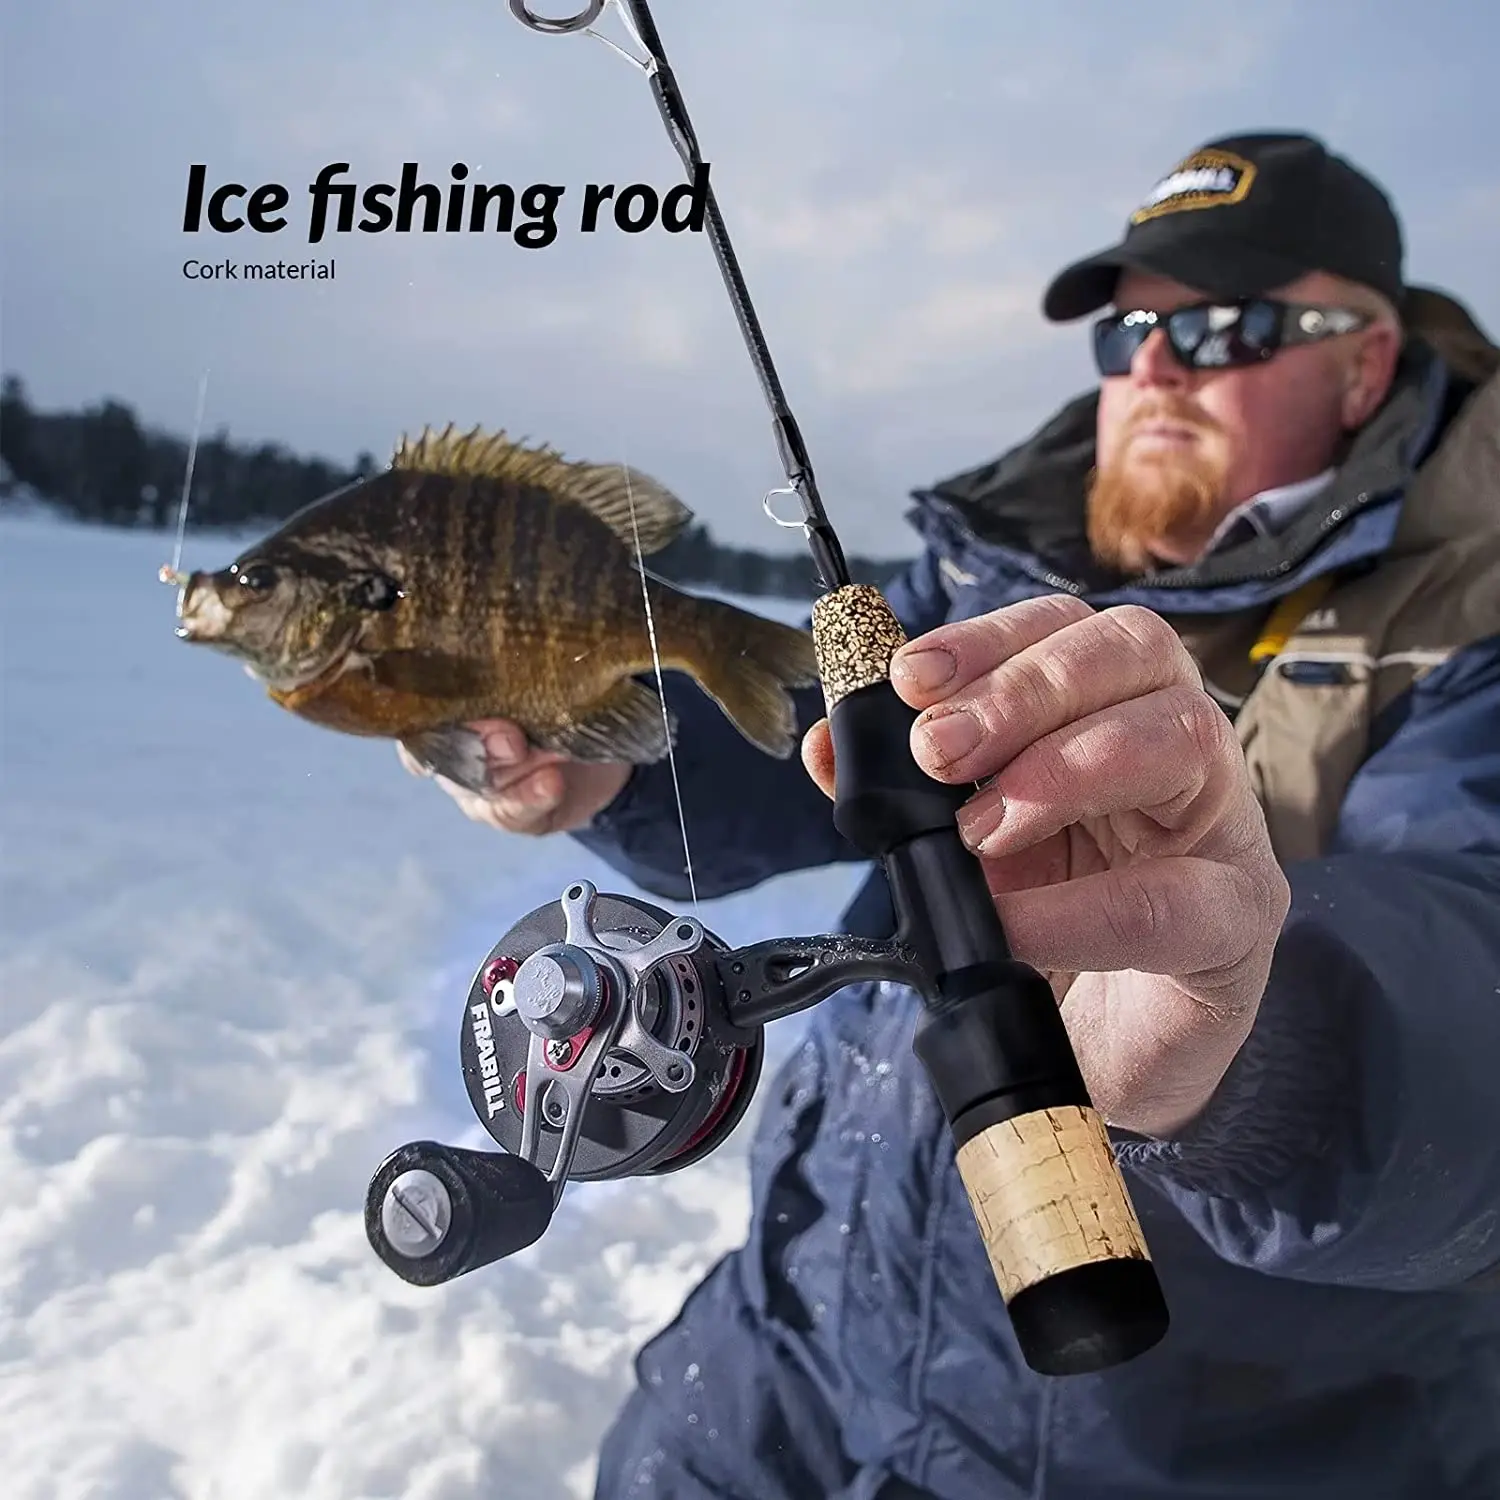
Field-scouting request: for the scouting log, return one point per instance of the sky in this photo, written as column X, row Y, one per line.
column 235, row 951
column 899, row 182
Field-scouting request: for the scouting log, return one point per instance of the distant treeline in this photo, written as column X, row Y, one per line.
column 101, row 466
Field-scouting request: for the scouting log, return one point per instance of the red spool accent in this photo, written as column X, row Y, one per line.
column 575, row 1043
column 496, row 970
column 722, row 1108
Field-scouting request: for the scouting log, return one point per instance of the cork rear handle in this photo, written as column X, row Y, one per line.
column 1048, row 1196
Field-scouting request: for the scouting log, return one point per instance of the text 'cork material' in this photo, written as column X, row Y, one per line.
column 1048, row 1196
column 855, row 633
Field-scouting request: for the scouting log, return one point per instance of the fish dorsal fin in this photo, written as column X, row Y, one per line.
column 609, row 491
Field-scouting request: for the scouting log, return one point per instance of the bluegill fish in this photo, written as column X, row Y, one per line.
column 479, row 578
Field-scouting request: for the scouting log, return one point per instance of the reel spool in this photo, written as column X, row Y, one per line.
column 639, row 1119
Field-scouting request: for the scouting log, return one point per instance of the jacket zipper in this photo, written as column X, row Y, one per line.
column 1332, row 519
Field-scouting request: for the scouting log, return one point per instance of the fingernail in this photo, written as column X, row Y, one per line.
column 926, row 669
column 952, row 736
column 977, row 827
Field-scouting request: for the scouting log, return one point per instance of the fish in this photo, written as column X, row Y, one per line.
column 476, row 577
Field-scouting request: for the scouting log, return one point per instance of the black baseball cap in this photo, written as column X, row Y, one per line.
column 1242, row 215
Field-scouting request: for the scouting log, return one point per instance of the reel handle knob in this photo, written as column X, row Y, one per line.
column 433, row 1212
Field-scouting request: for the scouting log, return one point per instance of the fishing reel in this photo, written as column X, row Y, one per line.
column 602, row 1037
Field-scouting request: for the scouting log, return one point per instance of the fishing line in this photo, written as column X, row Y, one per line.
column 187, row 478
column 661, row 691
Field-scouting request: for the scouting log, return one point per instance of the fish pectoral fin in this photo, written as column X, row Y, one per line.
column 626, row 724
column 429, row 674
column 452, row 751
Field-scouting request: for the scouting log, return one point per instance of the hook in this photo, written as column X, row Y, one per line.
column 584, row 19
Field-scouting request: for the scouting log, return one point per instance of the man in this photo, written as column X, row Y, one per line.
column 1224, row 637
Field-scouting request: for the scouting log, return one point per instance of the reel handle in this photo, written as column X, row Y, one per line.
column 1062, row 1235
column 433, row 1212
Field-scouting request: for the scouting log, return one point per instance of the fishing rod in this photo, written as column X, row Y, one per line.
column 605, row 1037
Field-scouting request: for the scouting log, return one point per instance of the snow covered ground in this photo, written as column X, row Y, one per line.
column 233, row 953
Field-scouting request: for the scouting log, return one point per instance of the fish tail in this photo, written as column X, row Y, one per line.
column 748, row 665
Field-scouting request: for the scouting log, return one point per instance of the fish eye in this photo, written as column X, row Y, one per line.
column 259, row 578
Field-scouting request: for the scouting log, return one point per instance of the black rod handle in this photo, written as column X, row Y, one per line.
column 1063, row 1238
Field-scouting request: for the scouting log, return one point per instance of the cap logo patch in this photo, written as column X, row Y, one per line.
column 1206, row 179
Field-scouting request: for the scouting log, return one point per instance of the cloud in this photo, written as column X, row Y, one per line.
column 958, row 323
column 932, row 212
column 363, row 109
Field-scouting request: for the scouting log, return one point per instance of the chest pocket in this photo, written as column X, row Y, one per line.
column 1305, row 725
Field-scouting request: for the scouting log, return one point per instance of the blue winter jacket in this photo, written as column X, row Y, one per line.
column 1327, row 1234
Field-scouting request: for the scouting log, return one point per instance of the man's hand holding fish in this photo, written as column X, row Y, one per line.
column 530, row 791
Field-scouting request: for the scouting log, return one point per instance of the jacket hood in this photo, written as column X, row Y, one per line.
column 1028, row 506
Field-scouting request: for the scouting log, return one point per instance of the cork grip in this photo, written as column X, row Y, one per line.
column 1048, row 1196
column 855, row 633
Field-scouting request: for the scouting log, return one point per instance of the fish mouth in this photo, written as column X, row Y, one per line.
column 205, row 619
column 202, row 615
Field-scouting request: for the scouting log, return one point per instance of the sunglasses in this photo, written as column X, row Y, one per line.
column 1220, row 335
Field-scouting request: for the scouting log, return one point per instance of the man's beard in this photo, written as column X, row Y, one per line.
column 1140, row 499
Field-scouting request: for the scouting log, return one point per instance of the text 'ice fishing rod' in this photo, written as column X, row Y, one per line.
column 604, row 1037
